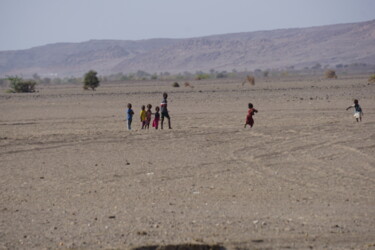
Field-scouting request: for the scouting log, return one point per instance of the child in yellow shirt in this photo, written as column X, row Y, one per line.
column 143, row 116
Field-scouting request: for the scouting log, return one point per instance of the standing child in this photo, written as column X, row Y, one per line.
column 164, row 111
column 249, row 117
column 155, row 123
column 357, row 110
column 130, row 114
column 148, row 116
column 143, row 116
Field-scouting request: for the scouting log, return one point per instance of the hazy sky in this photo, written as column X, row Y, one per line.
column 29, row 23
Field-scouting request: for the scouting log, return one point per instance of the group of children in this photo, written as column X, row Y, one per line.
column 146, row 115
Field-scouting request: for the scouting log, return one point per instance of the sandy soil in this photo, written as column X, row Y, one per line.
column 72, row 176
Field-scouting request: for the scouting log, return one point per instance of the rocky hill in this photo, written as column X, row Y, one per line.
column 277, row 49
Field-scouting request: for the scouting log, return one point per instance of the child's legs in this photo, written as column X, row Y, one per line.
column 129, row 124
column 156, row 124
column 168, row 117
column 252, row 123
column 169, row 122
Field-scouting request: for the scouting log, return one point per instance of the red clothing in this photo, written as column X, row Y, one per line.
column 155, row 123
column 249, row 117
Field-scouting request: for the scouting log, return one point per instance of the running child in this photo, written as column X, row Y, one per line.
column 357, row 110
column 142, row 115
column 249, row 117
column 130, row 114
column 155, row 123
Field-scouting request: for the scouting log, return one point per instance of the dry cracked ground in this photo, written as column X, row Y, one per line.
column 73, row 176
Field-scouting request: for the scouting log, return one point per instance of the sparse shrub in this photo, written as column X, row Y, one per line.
column 90, row 80
column 176, row 85
column 187, row 84
column 202, row 76
column 371, row 79
column 250, row 79
column 317, row 66
column 222, row 74
column 339, row 66
column 330, row 74
column 18, row 85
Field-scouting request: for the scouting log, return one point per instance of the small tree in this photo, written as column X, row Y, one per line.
column 371, row 79
column 90, row 80
column 18, row 85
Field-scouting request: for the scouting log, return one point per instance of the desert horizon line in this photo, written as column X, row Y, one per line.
column 182, row 38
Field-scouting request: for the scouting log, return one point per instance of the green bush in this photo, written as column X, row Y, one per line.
column 372, row 79
column 18, row 85
column 90, row 80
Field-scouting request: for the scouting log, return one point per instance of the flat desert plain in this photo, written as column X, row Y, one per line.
column 73, row 176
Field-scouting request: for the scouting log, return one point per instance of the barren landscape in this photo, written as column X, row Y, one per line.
column 73, row 176
column 339, row 44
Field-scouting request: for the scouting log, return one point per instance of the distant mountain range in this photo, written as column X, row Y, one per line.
column 276, row 49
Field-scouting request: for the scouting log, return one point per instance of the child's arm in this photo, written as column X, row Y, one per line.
column 349, row 107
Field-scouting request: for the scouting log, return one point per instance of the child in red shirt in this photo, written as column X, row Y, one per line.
column 249, row 117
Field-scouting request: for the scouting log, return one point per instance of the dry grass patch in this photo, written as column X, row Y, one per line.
column 249, row 79
column 330, row 74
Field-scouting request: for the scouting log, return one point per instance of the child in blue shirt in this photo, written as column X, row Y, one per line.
column 130, row 114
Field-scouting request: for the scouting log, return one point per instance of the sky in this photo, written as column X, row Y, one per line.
column 30, row 23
